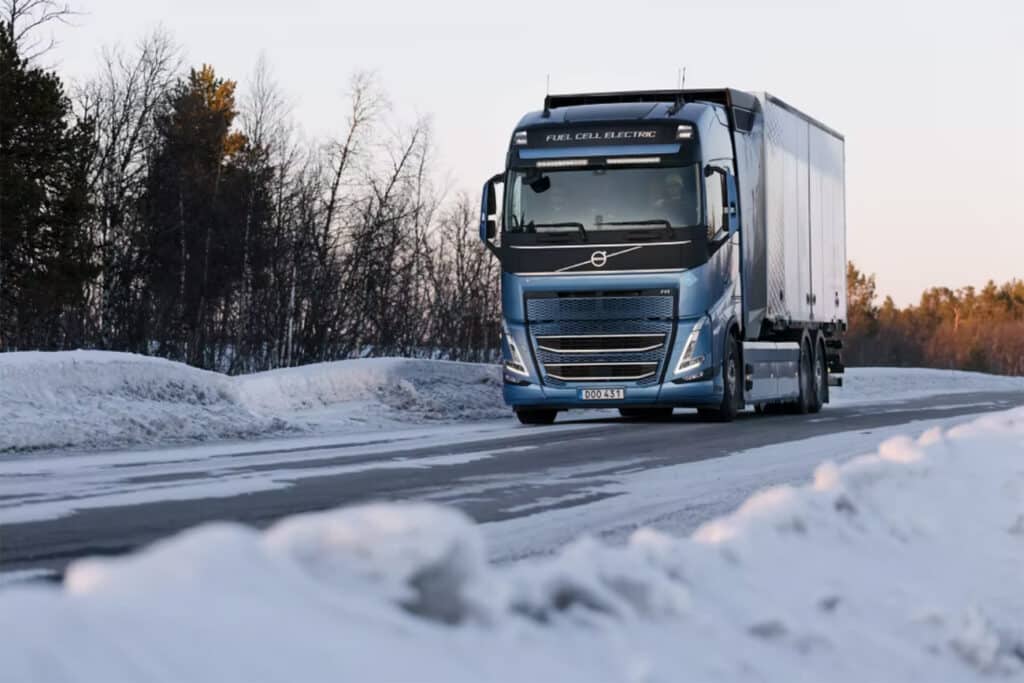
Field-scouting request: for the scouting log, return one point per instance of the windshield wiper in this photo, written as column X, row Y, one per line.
column 532, row 227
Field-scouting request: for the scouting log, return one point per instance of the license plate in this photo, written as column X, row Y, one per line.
column 601, row 394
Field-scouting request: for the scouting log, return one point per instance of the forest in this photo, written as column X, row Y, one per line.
column 155, row 209
column 964, row 329
column 162, row 209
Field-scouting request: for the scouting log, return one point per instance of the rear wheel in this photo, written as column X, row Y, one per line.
column 819, row 378
column 732, row 394
column 646, row 413
column 536, row 416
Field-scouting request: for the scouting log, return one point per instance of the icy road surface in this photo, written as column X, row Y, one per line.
column 533, row 488
column 901, row 565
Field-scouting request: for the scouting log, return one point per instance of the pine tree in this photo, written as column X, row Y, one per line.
column 197, row 204
column 45, row 247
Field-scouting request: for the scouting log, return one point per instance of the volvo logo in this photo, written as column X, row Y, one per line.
column 598, row 259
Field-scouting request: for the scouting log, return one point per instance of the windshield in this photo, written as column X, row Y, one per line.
column 604, row 199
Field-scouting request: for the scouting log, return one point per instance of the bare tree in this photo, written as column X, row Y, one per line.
column 339, row 160
column 271, row 153
column 464, row 318
column 122, row 101
column 24, row 19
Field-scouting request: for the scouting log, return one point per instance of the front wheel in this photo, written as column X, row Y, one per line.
column 536, row 416
column 732, row 394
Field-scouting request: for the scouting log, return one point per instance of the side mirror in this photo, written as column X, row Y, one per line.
column 731, row 202
column 488, row 211
column 732, row 213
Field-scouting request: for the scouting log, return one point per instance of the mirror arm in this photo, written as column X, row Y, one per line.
column 710, row 170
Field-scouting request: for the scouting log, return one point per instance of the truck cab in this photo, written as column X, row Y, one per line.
column 620, row 239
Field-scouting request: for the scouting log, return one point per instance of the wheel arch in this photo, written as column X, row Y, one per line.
column 731, row 329
column 730, row 332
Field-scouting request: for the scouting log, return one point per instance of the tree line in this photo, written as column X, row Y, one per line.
column 159, row 210
column 155, row 209
column 966, row 328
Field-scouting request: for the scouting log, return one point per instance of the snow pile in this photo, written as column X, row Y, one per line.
column 97, row 399
column 902, row 565
column 372, row 389
column 878, row 385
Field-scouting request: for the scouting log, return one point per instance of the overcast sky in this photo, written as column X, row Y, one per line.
column 926, row 93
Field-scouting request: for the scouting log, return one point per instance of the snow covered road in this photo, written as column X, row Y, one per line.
column 534, row 489
column 899, row 565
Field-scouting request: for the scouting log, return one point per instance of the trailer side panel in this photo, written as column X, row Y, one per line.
column 805, row 230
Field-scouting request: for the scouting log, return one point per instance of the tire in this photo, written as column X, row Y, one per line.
column 819, row 378
column 802, row 405
column 654, row 414
column 732, row 393
column 536, row 416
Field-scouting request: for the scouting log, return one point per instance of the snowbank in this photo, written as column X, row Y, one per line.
column 902, row 565
column 96, row 399
column 371, row 389
column 877, row 385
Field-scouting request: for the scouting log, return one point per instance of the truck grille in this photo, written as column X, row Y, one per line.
column 600, row 343
column 600, row 372
column 601, row 337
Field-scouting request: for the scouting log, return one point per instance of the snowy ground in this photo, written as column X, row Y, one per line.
column 885, row 385
column 902, row 565
column 103, row 400
column 676, row 499
column 92, row 400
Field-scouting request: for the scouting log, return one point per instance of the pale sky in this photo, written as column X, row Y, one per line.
column 926, row 93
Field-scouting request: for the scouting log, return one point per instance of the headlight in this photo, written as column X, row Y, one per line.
column 514, row 363
column 688, row 362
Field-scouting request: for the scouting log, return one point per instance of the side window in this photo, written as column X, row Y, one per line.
column 715, row 193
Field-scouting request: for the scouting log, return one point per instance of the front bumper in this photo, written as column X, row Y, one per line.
column 699, row 394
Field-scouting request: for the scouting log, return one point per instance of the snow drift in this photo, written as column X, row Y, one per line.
column 93, row 399
column 96, row 399
column 901, row 565
column 372, row 390
column 880, row 385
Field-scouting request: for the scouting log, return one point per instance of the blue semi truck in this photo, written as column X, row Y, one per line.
column 664, row 249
